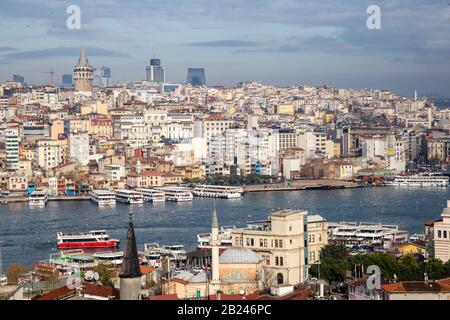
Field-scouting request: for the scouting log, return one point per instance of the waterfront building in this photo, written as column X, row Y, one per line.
column 48, row 153
column 282, row 241
column 441, row 235
column 12, row 141
column 83, row 75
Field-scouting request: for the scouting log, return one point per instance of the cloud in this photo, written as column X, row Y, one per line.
column 7, row 49
column 62, row 52
column 225, row 43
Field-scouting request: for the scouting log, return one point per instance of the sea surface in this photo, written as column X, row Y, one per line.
column 29, row 234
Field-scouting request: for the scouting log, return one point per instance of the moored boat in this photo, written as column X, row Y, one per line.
column 91, row 239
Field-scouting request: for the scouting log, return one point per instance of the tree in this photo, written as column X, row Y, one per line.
column 436, row 269
column 106, row 272
column 409, row 269
column 14, row 271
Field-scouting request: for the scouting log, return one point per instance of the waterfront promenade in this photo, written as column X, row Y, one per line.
column 324, row 184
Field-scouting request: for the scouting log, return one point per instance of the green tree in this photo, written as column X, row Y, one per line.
column 409, row 269
column 436, row 269
column 106, row 272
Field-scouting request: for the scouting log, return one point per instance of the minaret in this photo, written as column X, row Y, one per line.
column 130, row 271
column 83, row 75
column 214, row 243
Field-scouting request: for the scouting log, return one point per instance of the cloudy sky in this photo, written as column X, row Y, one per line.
column 284, row 42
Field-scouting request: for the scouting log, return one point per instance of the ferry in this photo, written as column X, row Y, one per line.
column 103, row 197
column 129, row 196
column 154, row 254
column 224, row 237
column 109, row 257
column 227, row 192
column 178, row 194
column 419, row 181
column 91, row 239
column 152, row 195
column 38, row 199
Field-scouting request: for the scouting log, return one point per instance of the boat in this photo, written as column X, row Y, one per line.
column 3, row 280
column 103, row 197
column 154, row 254
column 225, row 238
column 91, row 239
column 419, row 181
column 214, row 191
column 178, row 194
column 114, row 257
column 152, row 195
column 38, row 199
column 129, row 196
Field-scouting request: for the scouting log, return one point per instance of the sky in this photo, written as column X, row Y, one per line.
column 280, row 42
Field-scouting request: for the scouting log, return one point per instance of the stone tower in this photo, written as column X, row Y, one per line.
column 130, row 271
column 83, row 75
column 214, row 243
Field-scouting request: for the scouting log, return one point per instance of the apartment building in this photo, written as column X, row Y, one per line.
column 441, row 235
column 48, row 153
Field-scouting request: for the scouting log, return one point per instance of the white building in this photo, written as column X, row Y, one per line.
column 79, row 147
column 49, row 154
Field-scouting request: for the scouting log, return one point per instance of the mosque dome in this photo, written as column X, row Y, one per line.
column 239, row 255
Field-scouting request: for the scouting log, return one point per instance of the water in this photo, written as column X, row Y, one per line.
column 29, row 234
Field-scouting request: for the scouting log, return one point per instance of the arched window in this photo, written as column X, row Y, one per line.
column 280, row 278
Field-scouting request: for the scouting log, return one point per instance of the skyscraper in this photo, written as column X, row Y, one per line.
column 67, row 81
column 196, row 76
column 155, row 72
column 103, row 77
column 18, row 78
column 83, row 74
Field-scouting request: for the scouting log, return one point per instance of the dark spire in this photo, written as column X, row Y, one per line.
column 130, row 264
column 214, row 221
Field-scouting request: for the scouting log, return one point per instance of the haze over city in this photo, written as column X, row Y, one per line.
column 275, row 42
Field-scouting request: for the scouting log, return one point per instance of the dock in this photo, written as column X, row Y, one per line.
column 6, row 200
column 325, row 184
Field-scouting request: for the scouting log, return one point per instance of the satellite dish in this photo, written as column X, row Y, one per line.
column 96, row 276
column 89, row 275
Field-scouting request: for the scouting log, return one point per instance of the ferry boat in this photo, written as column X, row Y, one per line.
column 213, row 191
column 224, row 237
column 419, row 181
column 91, row 239
column 178, row 194
column 103, row 197
column 175, row 253
column 152, row 195
column 129, row 196
column 109, row 257
column 38, row 198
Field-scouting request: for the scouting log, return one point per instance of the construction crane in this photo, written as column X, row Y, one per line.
column 51, row 72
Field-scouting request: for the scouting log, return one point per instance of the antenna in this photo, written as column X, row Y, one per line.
column 51, row 72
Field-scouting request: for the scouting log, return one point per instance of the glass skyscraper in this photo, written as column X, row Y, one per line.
column 155, row 72
column 196, row 76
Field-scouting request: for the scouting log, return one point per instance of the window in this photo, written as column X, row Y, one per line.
column 281, row 243
column 439, row 234
column 276, row 261
column 276, row 243
column 261, row 243
column 281, row 261
column 265, row 243
column 248, row 241
column 445, row 234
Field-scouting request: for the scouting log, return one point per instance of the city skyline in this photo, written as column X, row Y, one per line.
column 284, row 43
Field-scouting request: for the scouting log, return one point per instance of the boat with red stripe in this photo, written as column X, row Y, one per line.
column 90, row 239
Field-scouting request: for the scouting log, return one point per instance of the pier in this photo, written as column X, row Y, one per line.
column 325, row 184
column 6, row 200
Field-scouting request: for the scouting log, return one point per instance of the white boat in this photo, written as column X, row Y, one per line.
column 114, row 257
column 175, row 253
column 129, row 196
column 103, row 197
column 38, row 199
column 178, row 194
column 225, row 238
column 420, row 181
column 152, row 195
column 213, row 191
